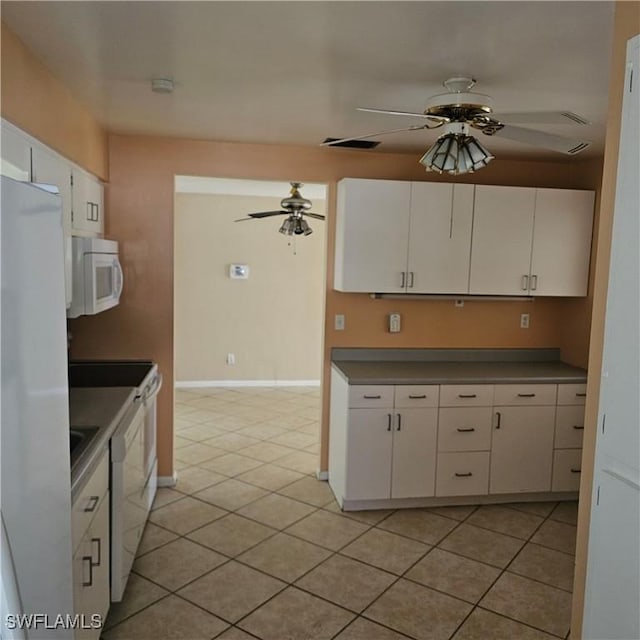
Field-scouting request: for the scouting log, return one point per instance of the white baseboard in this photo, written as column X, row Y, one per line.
column 168, row 481
column 322, row 475
column 194, row 384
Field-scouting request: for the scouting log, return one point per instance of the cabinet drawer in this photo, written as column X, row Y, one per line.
column 416, row 396
column 566, row 469
column 518, row 394
column 90, row 500
column 464, row 429
column 466, row 395
column 363, row 396
column 461, row 474
column 569, row 427
column 572, row 393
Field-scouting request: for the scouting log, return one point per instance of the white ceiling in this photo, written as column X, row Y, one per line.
column 294, row 72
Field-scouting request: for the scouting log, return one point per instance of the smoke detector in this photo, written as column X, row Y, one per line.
column 162, row 85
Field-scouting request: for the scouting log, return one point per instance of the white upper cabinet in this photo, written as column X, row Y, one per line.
column 372, row 228
column 87, row 204
column 501, row 244
column 50, row 168
column 16, row 154
column 561, row 242
column 440, row 237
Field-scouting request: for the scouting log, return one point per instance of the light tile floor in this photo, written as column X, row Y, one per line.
column 250, row 545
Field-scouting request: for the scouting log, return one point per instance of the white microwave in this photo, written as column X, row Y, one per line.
column 96, row 275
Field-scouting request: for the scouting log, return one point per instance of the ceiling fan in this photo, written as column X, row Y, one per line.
column 460, row 111
column 295, row 206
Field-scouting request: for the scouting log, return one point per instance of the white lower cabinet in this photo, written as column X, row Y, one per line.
column 522, row 449
column 91, row 554
column 428, row 441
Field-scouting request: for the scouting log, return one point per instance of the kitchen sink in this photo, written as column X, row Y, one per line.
column 79, row 440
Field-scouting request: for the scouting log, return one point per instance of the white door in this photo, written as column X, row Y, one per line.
column 561, row 242
column 522, row 449
column 613, row 565
column 501, row 243
column 372, row 231
column 440, row 237
column 414, row 453
column 369, row 446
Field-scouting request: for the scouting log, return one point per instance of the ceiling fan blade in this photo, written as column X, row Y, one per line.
column 266, row 214
column 393, row 112
column 372, row 135
column 540, row 117
column 551, row 141
column 317, row 216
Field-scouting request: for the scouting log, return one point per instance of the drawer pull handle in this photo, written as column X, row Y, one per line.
column 465, row 429
column 581, row 395
column 526, row 395
column 578, row 427
column 499, row 417
column 575, row 470
column 422, row 397
column 464, row 475
column 371, row 397
column 399, row 422
column 92, row 504
column 90, row 560
column 467, row 395
column 99, row 560
column 389, row 418
column 403, row 280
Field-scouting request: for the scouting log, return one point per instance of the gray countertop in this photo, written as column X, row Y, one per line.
column 102, row 407
column 454, row 366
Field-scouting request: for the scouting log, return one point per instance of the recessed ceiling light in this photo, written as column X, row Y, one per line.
column 162, row 85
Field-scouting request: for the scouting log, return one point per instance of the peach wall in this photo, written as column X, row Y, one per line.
column 626, row 25
column 141, row 200
column 38, row 103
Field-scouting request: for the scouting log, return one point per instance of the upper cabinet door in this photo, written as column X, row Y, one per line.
column 88, row 209
column 501, row 243
column 16, row 154
column 440, row 237
column 372, row 231
column 49, row 168
column 561, row 242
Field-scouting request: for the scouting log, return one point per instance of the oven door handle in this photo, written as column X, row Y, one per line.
column 150, row 394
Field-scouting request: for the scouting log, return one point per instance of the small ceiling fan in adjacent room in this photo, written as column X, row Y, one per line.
column 459, row 112
column 294, row 207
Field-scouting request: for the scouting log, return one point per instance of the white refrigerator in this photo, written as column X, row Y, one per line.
column 34, row 404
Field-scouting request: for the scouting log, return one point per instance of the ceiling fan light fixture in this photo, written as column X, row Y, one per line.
column 295, row 226
column 456, row 153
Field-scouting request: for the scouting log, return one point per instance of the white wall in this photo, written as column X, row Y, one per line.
column 272, row 322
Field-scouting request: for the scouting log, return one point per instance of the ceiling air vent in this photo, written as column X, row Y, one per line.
column 353, row 144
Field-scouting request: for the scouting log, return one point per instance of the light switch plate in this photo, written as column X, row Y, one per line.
column 394, row 323
column 339, row 322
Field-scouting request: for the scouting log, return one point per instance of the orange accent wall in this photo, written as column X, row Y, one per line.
column 33, row 99
column 626, row 26
column 140, row 216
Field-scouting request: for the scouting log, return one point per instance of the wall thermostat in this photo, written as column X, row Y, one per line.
column 239, row 271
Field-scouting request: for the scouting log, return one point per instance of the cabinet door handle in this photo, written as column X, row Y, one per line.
column 88, row 559
column 92, row 504
column 99, row 560
column 389, row 419
column 465, row 429
column 467, row 395
column 534, row 282
column 403, row 275
column 464, row 475
column 399, row 422
column 499, row 419
column 89, row 212
column 526, row 395
column 411, row 278
column 97, row 212
column 575, row 470
column 581, row 395
column 366, row 397
column 422, row 397
column 578, row 427
column 525, row 283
